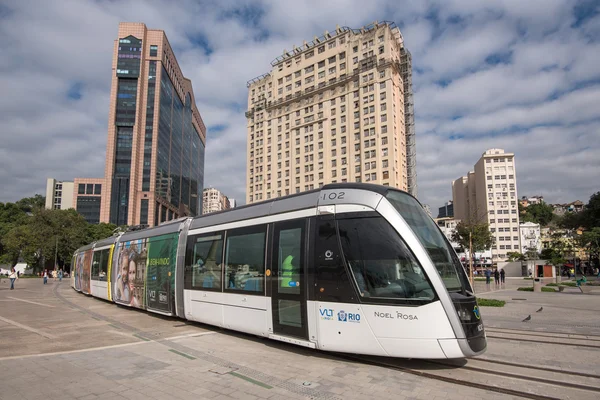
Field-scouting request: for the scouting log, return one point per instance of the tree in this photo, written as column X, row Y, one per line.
column 30, row 204
column 589, row 241
column 515, row 256
column 11, row 215
column 99, row 231
column 45, row 236
column 571, row 220
column 540, row 213
column 480, row 235
column 19, row 243
column 591, row 212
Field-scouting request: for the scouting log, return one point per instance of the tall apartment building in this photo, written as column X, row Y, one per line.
column 489, row 194
column 156, row 137
column 59, row 194
column 337, row 109
column 213, row 200
column 84, row 195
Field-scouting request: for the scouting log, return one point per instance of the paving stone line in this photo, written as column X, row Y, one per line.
column 249, row 372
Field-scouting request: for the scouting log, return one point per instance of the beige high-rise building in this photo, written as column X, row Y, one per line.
column 213, row 200
column 337, row 109
column 489, row 194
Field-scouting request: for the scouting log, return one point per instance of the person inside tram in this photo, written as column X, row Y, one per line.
column 289, row 269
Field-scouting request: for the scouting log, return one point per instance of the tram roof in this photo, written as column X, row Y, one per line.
column 294, row 202
column 164, row 229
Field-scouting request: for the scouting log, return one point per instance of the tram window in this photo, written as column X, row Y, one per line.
column 290, row 260
column 100, row 265
column 96, row 265
column 331, row 278
column 204, row 262
column 438, row 248
column 382, row 265
column 245, row 259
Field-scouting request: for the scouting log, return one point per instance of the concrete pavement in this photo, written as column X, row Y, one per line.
column 59, row 344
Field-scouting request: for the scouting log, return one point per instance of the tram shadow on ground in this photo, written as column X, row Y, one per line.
column 385, row 362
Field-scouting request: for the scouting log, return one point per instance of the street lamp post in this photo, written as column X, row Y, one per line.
column 471, row 261
column 56, row 253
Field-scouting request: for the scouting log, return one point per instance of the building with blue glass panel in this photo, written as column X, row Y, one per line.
column 156, row 137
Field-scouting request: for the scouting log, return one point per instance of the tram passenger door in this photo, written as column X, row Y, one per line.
column 288, row 282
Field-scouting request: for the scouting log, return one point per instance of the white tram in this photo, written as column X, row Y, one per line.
column 354, row 268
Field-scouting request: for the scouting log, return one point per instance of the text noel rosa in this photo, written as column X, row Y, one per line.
column 399, row 315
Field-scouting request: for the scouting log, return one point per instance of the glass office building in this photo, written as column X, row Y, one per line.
column 156, row 138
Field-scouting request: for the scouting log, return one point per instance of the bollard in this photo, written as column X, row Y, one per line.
column 537, row 284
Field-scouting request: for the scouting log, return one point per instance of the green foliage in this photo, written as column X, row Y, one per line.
column 515, row 256
column 572, row 220
column 11, row 216
column 546, row 253
column 589, row 218
column 589, row 241
column 490, row 302
column 45, row 235
column 541, row 213
column 530, row 289
column 99, row 231
column 559, row 249
column 481, row 237
column 592, row 212
column 30, row 204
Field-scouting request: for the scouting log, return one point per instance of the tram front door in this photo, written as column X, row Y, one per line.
column 288, row 288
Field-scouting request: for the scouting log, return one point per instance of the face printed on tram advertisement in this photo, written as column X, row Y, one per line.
column 78, row 270
column 132, row 273
column 86, row 271
column 121, row 286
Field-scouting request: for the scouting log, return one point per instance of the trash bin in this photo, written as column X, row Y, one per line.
column 537, row 284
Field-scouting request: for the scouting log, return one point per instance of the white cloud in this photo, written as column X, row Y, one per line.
column 544, row 93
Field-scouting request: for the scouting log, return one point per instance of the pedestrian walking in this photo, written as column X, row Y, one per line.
column 45, row 276
column 502, row 276
column 496, row 277
column 54, row 275
column 13, row 277
column 488, row 276
column 60, row 275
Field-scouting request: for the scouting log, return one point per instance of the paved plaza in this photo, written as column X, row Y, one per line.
column 59, row 344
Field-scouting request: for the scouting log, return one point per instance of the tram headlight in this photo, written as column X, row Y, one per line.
column 464, row 315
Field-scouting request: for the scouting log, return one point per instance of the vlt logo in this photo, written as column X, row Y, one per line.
column 326, row 313
column 476, row 312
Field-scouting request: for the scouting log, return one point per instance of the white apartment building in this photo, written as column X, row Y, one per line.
column 489, row 194
column 59, row 194
column 337, row 109
column 448, row 227
column 531, row 237
column 213, row 200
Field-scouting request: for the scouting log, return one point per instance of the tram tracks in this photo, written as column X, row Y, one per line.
column 554, row 338
column 512, row 379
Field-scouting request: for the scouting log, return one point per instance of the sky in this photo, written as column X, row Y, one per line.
column 519, row 75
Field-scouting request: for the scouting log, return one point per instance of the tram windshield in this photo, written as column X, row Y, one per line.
column 436, row 245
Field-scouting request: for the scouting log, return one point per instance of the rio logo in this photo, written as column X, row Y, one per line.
column 326, row 313
column 348, row 317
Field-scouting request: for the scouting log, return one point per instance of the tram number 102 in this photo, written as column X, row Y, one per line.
column 333, row 196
